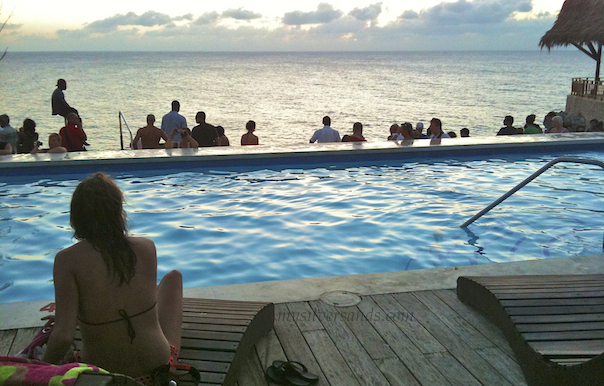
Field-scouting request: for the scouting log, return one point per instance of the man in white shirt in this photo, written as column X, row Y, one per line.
column 7, row 133
column 173, row 120
column 326, row 134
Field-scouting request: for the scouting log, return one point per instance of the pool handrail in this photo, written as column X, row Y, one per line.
column 121, row 117
column 529, row 179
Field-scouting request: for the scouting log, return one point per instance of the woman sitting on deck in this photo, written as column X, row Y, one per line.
column 107, row 283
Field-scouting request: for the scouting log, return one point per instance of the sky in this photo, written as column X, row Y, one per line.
column 275, row 25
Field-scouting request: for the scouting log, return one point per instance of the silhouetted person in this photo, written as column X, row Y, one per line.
column 204, row 133
column 28, row 138
column 531, row 127
column 249, row 138
column 150, row 136
column 326, row 134
column 464, row 133
column 436, row 129
column 58, row 102
column 357, row 134
column 508, row 128
column 222, row 139
column 8, row 134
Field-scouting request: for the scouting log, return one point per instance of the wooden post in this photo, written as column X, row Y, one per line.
column 599, row 61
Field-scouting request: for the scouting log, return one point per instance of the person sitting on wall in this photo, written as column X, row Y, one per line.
column 326, row 134
column 204, row 133
column 54, row 145
column 436, row 129
column 186, row 140
column 531, row 127
column 508, row 128
column 464, row 133
column 393, row 132
column 222, row 139
column 249, row 138
column 357, row 134
column 150, row 136
column 73, row 137
column 558, row 125
column 28, row 138
column 58, row 103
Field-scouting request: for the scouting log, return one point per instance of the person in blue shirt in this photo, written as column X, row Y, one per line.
column 173, row 120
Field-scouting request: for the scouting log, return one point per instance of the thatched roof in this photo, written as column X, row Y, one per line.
column 580, row 22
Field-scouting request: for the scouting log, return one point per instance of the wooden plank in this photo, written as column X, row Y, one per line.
column 480, row 368
column 395, row 372
column 217, row 356
column 506, row 365
column 336, row 370
column 552, row 302
column 578, row 318
column 547, row 327
column 541, row 295
column 476, row 319
column 6, row 341
column 213, row 335
column 225, row 321
column 209, row 366
column 565, row 310
column 569, row 348
column 373, row 343
column 218, row 315
column 212, row 327
column 515, row 279
column 23, row 337
column 294, row 344
column 452, row 369
column 416, row 332
column 304, row 316
column 452, row 320
column 564, row 335
column 213, row 345
column 351, row 349
column 537, row 285
column 421, row 368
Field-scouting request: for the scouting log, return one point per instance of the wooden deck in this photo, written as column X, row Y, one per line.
column 424, row 338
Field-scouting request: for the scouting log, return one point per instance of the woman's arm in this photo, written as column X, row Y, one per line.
column 66, row 302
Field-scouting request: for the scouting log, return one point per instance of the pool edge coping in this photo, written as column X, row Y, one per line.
column 28, row 314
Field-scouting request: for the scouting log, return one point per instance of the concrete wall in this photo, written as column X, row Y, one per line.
column 589, row 108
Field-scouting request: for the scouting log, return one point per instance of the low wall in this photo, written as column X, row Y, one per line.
column 589, row 108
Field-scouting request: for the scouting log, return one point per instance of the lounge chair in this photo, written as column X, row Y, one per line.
column 554, row 324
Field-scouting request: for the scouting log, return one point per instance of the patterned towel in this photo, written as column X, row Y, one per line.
column 16, row 371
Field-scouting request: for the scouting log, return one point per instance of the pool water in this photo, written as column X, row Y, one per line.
column 239, row 226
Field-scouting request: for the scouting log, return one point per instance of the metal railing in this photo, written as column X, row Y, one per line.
column 122, row 118
column 529, row 179
column 587, row 88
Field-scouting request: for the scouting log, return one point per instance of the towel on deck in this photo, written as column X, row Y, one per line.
column 15, row 371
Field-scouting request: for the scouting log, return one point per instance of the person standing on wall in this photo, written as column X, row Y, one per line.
column 173, row 120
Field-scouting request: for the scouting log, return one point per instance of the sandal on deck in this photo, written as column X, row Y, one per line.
column 291, row 373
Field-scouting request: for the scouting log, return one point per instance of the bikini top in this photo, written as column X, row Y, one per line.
column 124, row 317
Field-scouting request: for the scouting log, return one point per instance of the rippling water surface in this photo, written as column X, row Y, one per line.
column 238, row 226
column 287, row 94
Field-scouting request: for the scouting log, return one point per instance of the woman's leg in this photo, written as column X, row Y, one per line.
column 169, row 306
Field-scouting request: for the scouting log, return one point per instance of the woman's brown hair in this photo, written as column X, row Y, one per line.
column 98, row 216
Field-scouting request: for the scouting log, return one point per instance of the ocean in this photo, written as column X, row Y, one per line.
column 287, row 94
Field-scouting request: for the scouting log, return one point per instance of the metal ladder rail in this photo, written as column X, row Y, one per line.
column 121, row 117
column 529, row 179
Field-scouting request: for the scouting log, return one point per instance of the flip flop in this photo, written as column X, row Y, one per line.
column 276, row 374
column 296, row 370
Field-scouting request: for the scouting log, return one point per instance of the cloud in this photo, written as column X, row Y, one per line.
column 241, row 14
column 188, row 17
column 324, row 14
column 147, row 19
column 476, row 12
column 207, row 18
column 409, row 15
column 368, row 13
column 12, row 26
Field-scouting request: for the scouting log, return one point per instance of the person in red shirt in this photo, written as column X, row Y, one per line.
column 73, row 137
column 357, row 134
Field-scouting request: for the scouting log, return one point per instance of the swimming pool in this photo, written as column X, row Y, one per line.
column 249, row 223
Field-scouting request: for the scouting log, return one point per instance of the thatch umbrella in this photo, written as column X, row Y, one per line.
column 580, row 23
